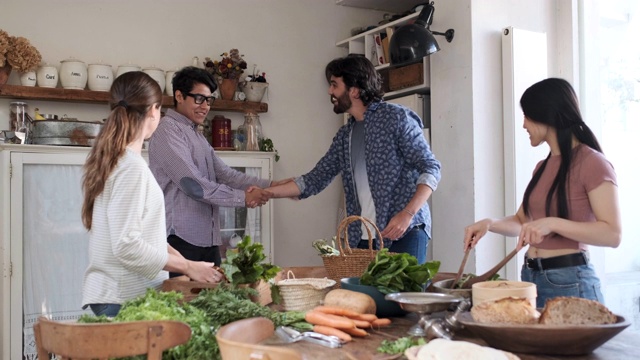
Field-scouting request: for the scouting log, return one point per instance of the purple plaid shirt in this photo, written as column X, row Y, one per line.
column 194, row 180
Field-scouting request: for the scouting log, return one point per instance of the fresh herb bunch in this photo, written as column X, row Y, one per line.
column 246, row 266
column 400, row 345
column 399, row 272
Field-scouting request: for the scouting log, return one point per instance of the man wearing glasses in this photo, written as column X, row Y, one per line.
column 194, row 180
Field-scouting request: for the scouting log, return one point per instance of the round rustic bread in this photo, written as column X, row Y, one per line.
column 506, row 311
column 576, row 311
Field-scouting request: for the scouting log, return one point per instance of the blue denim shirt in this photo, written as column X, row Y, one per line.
column 398, row 158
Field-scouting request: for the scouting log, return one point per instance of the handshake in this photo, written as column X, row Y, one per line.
column 256, row 196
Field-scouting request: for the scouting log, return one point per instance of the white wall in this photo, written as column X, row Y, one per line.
column 467, row 119
column 291, row 40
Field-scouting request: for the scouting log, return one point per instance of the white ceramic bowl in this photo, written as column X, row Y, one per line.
column 126, row 68
column 100, row 77
column 157, row 74
column 47, row 76
column 254, row 91
column 73, row 74
column 499, row 289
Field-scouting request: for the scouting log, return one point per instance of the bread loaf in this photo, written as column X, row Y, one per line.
column 576, row 311
column 506, row 311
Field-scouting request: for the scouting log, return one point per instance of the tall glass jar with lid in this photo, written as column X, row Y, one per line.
column 252, row 129
column 20, row 122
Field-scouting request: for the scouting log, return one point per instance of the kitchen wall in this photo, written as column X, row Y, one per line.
column 291, row 40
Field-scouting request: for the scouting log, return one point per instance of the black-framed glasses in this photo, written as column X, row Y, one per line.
column 199, row 99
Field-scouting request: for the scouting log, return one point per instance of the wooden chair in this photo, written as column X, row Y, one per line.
column 240, row 340
column 108, row 340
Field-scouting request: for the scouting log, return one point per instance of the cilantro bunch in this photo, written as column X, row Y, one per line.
column 399, row 272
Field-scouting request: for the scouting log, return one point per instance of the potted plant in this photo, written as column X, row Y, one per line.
column 228, row 71
column 17, row 53
column 255, row 86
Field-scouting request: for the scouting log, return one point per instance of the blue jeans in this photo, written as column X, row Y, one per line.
column 109, row 310
column 579, row 281
column 414, row 242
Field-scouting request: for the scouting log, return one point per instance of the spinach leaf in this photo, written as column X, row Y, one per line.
column 398, row 272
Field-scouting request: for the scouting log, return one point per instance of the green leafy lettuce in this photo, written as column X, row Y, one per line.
column 246, row 265
column 399, row 272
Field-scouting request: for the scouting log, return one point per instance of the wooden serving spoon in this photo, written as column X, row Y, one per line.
column 459, row 274
column 486, row 276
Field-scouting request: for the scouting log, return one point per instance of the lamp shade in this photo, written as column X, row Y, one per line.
column 411, row 42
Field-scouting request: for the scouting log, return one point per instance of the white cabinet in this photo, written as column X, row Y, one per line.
column 364, row 44
column 43, row 244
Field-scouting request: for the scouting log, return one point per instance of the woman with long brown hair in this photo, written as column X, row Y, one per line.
column 123, row 205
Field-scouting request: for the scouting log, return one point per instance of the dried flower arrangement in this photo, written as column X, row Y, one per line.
column 256, row 76
column 231, row 66
column 18, row 52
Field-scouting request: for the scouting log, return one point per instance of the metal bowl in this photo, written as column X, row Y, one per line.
column 425, row 303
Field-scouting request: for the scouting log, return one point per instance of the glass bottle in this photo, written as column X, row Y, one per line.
column 252, row 131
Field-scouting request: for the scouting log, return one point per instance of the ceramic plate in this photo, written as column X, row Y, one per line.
column 544, row 339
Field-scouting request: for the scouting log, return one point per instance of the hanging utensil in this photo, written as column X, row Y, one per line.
column 486, row 276
column 461, row 269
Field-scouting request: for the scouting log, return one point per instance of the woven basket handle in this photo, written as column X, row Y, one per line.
column 343, row 228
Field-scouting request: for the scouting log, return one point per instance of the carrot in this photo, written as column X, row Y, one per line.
column 361, row 323
column 381, row 322
column 356, row 332
column 366, row 317
column 338, row 322
column 334, row 310
column 328, row 330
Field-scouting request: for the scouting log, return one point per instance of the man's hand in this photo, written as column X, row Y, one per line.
column 255, row 196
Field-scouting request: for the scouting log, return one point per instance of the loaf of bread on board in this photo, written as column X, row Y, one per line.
column 505, row 311
column 576, row 311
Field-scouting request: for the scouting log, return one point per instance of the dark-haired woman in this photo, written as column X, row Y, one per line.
column 570, row 203
column 123, row 206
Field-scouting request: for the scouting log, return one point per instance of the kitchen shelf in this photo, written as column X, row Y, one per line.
column 363, row 43
column 96, row 97
column 395, row 6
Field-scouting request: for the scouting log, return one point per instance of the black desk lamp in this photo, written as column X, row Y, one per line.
column 411, row 42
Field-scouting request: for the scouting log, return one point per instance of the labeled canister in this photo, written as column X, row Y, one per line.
column 221, row 133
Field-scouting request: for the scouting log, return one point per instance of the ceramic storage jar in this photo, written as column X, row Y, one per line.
column 100, row 77
column 157, row 74
column 47, row 76
column 73, row 74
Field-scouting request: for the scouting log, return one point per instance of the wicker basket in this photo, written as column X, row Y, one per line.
column 303, row 294
column 350, row 262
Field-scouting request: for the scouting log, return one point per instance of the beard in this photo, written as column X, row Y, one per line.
column 343, row 104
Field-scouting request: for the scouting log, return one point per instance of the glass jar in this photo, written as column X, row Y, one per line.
column 252, row 131
column 19, row 121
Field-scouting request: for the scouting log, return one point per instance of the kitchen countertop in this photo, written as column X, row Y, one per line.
column 621, row 347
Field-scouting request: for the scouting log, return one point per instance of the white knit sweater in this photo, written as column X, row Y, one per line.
column 128, row 243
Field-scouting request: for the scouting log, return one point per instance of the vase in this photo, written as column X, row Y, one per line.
column 28, row 78
column 5, row 71
column 228, row 88
column 254, row 91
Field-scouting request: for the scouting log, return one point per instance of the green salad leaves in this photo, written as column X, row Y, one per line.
column 400, row 345
column 246, row 265
column 400, row 272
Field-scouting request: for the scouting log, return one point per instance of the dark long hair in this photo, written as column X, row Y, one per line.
column 356, row 70
column 133, row 94
column 554, row 102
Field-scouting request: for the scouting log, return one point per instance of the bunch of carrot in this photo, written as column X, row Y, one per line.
column 343, row 323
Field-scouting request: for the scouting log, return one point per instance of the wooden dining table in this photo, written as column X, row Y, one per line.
column 624, row 346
